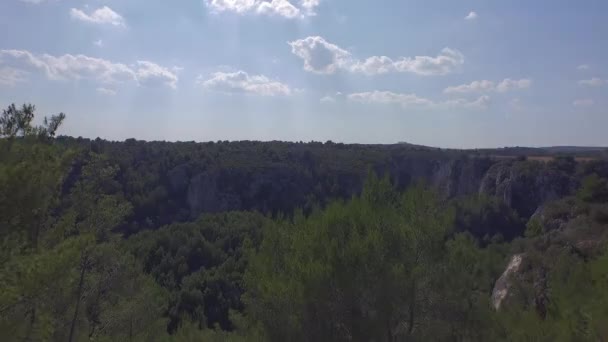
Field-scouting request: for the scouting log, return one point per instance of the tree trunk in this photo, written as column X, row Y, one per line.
column 78, row 299
column 28, row 337
column 412, row 309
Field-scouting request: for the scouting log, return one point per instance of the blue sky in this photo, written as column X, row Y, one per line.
column 468, row 73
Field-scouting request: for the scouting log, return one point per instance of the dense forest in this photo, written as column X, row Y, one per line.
column 279, row 241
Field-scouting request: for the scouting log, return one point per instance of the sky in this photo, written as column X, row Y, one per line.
column 460, row 74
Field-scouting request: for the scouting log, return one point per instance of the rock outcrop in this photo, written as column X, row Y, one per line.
column 503, row 284
column 522, row 185
column 525, row 186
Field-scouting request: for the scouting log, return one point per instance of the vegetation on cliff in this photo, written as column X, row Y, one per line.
column 136, row 241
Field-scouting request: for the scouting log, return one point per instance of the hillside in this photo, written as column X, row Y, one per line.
column 179, row 181
column 159, row 241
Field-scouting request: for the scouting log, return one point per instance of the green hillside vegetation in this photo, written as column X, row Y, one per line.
column 114, row 241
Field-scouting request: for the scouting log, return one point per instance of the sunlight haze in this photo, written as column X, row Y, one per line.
column 439, row 73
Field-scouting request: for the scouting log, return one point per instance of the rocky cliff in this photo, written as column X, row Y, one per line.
column 523, row 185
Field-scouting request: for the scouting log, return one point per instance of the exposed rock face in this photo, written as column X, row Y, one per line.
column 503, row 284
column 281, row 189
column 460, row 176
column 524, row 186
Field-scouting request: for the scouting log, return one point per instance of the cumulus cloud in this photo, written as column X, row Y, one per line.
column 583, row 67
column 283, row 8
column 489, row 86
column 242, row 82
column 327, row 99
column 323, row 57
column 471, row 16
column 11, row 76
column 278, row 7
column 103, row 15
column 374, row 65
column 583, row 102
column 152, row 74
column 309, row 6
column 508, row 84
column 475, row 86
column 320, row 56
column 78, row 67
column 594, row 82
column 415, row 101
column 481, row 102
column 98, row 43
column 446, row 62
column 106, row 91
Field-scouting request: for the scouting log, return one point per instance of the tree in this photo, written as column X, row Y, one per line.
column 16, row 122
column 593, row 189
column 362, row 270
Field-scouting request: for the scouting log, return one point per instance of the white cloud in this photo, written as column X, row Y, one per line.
column 79, row 67
column 320, row 56
column 374, row 65
column 283, row 8
column 152, row 74
column 488, row 86
column 278, row 7
column 106, row 91
column 583, row 102
column 309, row 6
column 242, row 82
column 327, row 99
column 68, row 66
column 481, row 102
column 583, row 67
column 386, row 97
column 446, row 62
column 98, row 43
column 103, row 15
column 323, row 57
column 508, row 84
column 594, row 82
column 475, row 86
column 11, row 76
column 471, row 16
column 415, row 101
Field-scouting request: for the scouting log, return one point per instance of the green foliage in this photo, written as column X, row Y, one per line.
column 16, row 122
column 576, row 309
column 486, row 217
column 79, row 261
column 593, row 189
column 534, row 228
column 370, row 269
column 201, row 264
column 63, row 277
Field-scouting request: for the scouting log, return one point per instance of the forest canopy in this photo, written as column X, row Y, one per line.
column 246, row 241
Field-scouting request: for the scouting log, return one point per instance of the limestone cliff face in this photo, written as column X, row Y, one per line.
column 277, row 189
column 524, row 186
column 503, row 284
column 460, row 177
